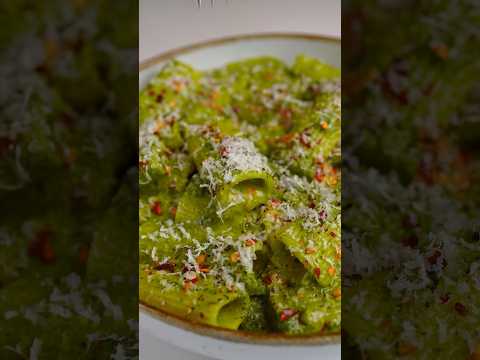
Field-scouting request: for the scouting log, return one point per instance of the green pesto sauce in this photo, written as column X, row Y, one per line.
column 240, row 195
column 66, row 141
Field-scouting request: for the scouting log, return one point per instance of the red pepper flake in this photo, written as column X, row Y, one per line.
column 286, row 118
column 223, row 151
column 410, row 241
column 187, row 285
column 310, row 250
column 287, row 138
column 173, row 211
column 41, row 247
column 267, row 280
column 337, row 293
column 402, row 97
column 257, row 109
column 178, row 85
column 156, row 208
column 191, row 276
column 83, row 253
column 426, row 172
column 319, row 174
column 317, row 271
column 461, row 309
column 323, row 215
column 200, row 259
column 286, row 113
column 287, row 314
column 386, row 324
column 66, row 120
column 151, row 93
column 319, row 161
column 235, row 257
column 399, row 95
column 305, row 140
column 5, row 144
column 441, row 50
column 269, row 76
column 428, row 90
column 432, row 259
column 332, row 234
column 214, row 95
column 165, row 266
column 476, row 353
column 275, row 203
column 204, row 269
column 42, row 68
column 405, row 349
column 48, row 254
column 444, row 298
column 250, row 242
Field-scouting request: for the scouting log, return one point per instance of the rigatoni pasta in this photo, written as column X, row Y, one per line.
column 240, row 195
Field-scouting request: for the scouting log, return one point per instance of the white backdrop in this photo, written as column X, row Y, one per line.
column 168, row 24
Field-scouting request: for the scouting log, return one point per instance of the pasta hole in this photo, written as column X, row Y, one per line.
column 289, row 265
column 252, row 186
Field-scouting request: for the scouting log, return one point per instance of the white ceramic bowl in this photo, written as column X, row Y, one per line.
column 206, row 340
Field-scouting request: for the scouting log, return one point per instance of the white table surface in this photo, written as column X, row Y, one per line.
column 169, row 24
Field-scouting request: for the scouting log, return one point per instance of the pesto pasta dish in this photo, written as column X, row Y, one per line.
column 240, row 195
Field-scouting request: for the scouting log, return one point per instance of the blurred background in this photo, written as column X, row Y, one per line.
column 169, row 24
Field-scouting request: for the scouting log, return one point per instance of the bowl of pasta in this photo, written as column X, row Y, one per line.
column 239, row 158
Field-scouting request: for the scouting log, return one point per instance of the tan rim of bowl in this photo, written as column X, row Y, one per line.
column 212, row 331
column 231, row 39
column 240, row 336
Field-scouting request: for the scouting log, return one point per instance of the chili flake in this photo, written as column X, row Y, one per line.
column 250, row 242
column 235, row 257
column 156, row 208
column 319, row 174
column 42, row 248
column 287, row 314
column 165, row 266
column 461, row 309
